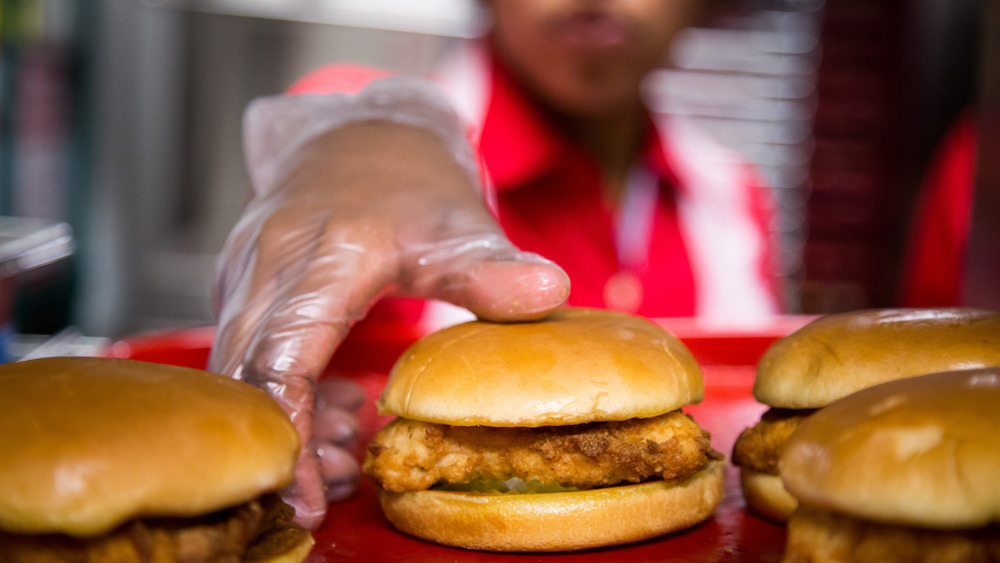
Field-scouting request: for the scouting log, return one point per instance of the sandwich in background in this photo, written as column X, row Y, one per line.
column 905, row 471
column 121, row 460
column 840, row 354
column 554, row 435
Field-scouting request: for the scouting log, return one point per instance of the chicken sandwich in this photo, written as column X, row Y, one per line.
column 837, row 355
column 907, row 470
column 120, row 460
column 560, row 434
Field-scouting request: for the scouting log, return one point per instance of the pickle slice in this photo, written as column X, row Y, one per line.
column 513, row 485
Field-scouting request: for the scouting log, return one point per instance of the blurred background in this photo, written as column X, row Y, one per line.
column 121, row 121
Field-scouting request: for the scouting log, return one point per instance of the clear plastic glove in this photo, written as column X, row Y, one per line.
column 370, row 208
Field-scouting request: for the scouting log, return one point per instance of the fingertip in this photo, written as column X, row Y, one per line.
column 340, row 491
column 335, row 425
column 518, row 290
column 340, row 471
column 339, row 392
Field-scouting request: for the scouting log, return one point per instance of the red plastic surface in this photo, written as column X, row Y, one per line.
column 356, row 530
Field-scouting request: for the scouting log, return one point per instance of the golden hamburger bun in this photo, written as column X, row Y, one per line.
column 94, row 445
column 584, row 403
column 839, row 354
column 579, row 365
column 907, row 459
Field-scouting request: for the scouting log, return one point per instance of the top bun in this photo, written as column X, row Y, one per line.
column 571, row 367
column 922, row 451
column 839, row 354
column 89, row 443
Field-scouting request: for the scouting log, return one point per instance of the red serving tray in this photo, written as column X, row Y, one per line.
column 355, row 529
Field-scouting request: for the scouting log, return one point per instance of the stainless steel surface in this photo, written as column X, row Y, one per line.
column 26, row 244
column 451, row 18
column 69, row 342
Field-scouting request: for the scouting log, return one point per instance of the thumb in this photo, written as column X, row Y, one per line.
column 306, row 493
column 513, row 286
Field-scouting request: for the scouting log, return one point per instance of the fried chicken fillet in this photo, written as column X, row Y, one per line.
column 408, row 455
column 759, row 447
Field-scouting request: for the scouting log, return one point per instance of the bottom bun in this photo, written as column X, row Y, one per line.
column 295, row 554
column 766, row 495
column 556, row 521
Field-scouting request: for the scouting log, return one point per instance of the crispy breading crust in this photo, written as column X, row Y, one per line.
column 759, row 447
column 257, row 530
column 819, row 536
column 408, row 455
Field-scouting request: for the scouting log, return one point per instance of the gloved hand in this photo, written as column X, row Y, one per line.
column 380, row 205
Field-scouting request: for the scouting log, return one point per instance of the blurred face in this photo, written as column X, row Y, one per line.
column 586, row 57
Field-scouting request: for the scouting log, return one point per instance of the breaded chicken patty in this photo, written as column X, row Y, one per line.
column 759, row 447
column 819, row 535
column 409, row 455
column 253, row 531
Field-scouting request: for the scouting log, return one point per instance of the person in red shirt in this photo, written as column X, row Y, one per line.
column 535, row 151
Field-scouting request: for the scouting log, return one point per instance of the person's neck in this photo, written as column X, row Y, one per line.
column 615, row 141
